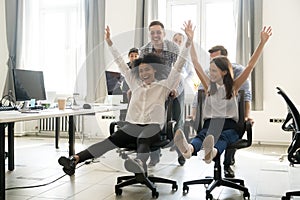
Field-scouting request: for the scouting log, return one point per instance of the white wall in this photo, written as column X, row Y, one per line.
column 280, row 68
column 120, row 16
column 3, row 47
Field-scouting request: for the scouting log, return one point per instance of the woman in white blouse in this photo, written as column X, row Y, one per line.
column 146, row 111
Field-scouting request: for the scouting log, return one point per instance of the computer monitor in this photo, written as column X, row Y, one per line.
column 113, row 82
column 29, row 85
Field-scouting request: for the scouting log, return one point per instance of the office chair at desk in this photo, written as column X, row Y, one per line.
column 293, row 117
column 217, row 180
column 149, row 181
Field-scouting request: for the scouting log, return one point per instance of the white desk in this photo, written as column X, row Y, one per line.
column 8, row 118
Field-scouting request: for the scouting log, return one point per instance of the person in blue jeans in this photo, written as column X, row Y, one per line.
column 220, row 109
column 220, row 50
column 169, row 51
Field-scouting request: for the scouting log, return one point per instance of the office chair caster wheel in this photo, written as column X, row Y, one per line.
column 209, row 196
column 246, row 195
column 119, row 180
column 185, row 189
column 181, row 160
column 175, row 187
column 118, row 191
column 155, row 194
column 283, row 198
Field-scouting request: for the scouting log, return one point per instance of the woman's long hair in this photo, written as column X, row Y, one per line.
column 224, row 65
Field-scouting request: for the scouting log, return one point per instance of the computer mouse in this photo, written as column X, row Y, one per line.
column 86, row 106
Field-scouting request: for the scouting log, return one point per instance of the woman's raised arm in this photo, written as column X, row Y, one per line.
column 264, row 37
column 199, row 70
column 117, row 56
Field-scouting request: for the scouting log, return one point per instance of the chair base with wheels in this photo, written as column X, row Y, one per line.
column 217, row 180
column 141, row 178
column 149, row 181
column 212, row 182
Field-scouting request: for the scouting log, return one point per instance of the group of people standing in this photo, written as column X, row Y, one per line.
column 154, row 73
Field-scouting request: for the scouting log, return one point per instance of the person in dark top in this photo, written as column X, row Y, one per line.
column 132, row 55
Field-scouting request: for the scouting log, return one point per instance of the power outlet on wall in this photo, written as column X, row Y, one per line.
column 108, row 117
column 276, row 120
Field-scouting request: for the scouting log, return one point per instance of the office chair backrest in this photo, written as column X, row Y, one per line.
column 292, row 110
column 293, row 113
column 167, row 133
column 241, row 104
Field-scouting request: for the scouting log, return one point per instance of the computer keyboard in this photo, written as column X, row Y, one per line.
column 7, row 108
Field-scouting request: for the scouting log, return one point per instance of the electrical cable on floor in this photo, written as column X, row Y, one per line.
column 34, row 186
column 41, row 185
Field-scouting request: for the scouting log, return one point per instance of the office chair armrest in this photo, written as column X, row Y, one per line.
column 294, row 149
column 248, row 129
column 243, row 143
column 288, row 123
column 112, row 127
column 170, row 129
column 115, row 124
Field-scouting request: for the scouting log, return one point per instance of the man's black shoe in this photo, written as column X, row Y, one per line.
column 134, row 165
column 68, row 164
column 181, row 160
column 228, row 172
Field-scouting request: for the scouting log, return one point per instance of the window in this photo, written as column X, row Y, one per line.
column 220, row 26
column 54, row 41
column 214, row 21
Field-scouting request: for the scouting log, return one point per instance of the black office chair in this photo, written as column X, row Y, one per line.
column 166, row 136
column 217, row 180
column 292, row 123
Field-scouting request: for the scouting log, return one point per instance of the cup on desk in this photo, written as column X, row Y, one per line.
column 61, row 103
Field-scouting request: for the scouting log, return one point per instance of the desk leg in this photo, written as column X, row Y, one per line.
column 57, row 129
column 71, row 135
column 2, row 161
column 11, row 146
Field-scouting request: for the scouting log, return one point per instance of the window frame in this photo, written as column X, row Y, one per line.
column 35, row 12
